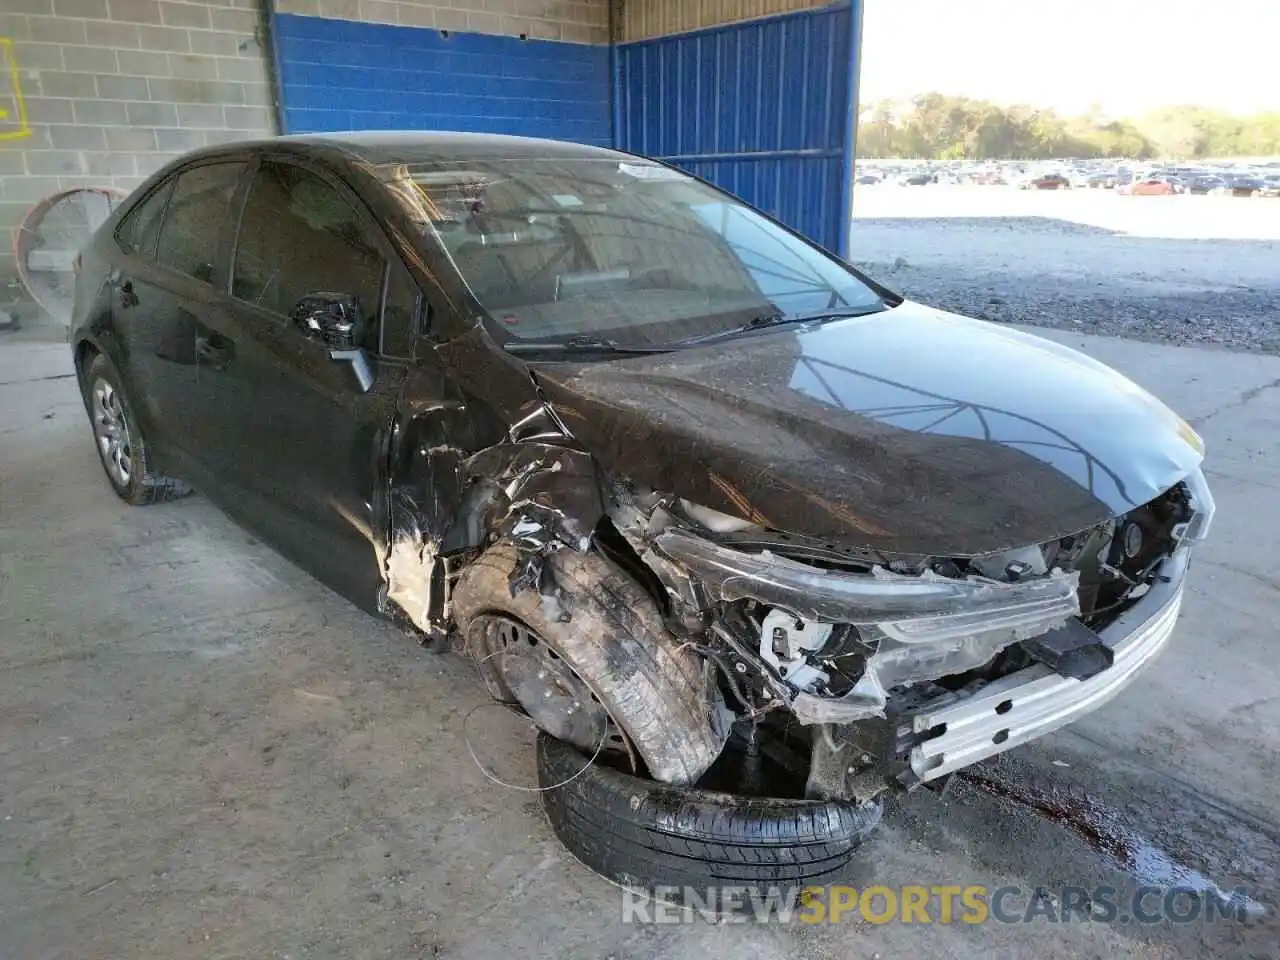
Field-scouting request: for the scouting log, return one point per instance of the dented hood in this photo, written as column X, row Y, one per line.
column 910, row 431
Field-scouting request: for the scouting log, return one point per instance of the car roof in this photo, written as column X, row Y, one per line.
column 378, row 147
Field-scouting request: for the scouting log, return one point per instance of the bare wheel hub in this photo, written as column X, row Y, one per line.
column 548, row 689
column 111, row 430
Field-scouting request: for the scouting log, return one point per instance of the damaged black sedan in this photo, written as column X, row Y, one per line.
column 756, row 538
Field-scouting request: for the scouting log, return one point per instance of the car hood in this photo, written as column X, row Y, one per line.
column 910, row 431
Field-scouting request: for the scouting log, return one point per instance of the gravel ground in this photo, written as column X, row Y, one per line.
column 1186, row 270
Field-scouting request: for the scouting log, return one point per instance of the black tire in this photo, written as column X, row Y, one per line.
column 610, row 633
column 649, row 836
column 133, row 477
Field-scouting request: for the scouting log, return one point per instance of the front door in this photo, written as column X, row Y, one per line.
column 298, row 438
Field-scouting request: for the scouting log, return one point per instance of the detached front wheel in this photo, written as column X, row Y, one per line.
column 666, row 841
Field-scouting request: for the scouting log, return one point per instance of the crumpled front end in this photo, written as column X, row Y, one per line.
column 887, row 658
column 893, row 660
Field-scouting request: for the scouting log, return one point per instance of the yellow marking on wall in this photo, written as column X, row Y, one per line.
column 13, row 111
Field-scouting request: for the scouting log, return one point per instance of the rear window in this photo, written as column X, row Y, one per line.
column 140, row 229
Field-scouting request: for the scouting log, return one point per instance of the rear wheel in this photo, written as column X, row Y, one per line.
column 118, row 437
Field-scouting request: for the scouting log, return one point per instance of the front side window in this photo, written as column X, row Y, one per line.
column 624, row 249
column 299, row 236
column 197, row 212
column 400, row 313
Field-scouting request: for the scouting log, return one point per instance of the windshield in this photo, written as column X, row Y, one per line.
column 619, row 249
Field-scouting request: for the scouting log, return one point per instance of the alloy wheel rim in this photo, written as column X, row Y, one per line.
column 111, row 430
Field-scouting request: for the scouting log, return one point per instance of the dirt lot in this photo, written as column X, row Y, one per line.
column 203, row 753
column 1181, row 269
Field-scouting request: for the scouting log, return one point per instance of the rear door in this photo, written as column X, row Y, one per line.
column 298, row 435
column 137, row 289
column 176, row 241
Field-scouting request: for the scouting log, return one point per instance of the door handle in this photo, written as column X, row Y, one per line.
column 215, row 350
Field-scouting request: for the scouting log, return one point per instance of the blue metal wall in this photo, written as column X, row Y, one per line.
column 765, row 109
column 342, row 75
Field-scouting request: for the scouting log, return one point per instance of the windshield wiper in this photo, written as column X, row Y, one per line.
column 581, row 343
column 771, row 319
column 774, row 319
column 838, row 314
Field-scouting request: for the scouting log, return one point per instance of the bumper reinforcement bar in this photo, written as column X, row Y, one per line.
column 1035, row 701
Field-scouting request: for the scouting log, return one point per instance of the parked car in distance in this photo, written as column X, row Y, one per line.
column 705, row 502
column 1147, row 187
column 1240, row 186
column 1203, row 184
column 1046, row 181
column 918, row 178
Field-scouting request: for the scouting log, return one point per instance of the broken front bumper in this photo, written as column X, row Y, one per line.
column 1036, row 701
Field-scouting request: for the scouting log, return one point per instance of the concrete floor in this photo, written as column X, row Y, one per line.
column 203, row 753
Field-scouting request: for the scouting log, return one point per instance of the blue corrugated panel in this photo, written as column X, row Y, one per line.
column 341, row 75
column 762, row 108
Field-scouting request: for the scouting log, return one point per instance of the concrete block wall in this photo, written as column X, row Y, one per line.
column 578, row 21
column 113, row 89
column 642, row 19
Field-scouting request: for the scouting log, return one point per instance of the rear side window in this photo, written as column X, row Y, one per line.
column 300, row 236
column 141, row 227
column 199, row 208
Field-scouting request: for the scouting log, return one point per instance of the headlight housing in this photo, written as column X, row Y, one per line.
column 933, row 604
column 920, row 627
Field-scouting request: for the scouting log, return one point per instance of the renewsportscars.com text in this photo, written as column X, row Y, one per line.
column 938, row 904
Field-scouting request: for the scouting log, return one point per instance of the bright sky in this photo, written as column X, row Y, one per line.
column 1129, row 56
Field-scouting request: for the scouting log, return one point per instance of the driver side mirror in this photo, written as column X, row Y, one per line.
column 333, row 319
column 330, row 318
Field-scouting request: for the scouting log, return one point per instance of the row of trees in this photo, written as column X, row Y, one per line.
column 939, row 127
